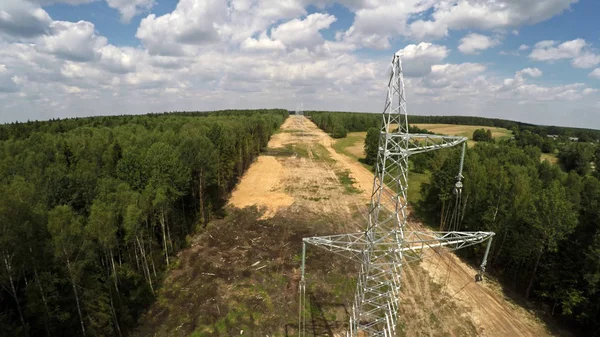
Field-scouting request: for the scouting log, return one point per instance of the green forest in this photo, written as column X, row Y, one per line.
column 546, row 217
column 93, row 210
column 547, row 225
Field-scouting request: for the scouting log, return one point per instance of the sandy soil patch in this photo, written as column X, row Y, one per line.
column 357, row 149
column 261, row 186
column 279, row 140
column 283, row 138
column 302, row 180
column 491, row 312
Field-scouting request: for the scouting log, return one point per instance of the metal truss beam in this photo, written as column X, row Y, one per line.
column 419, row 143
column 414, row 246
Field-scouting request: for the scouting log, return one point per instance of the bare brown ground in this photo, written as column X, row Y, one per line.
column 491, row 312
column 297, row 181
column 357, row 149
column 262, row 186
column 279, row 140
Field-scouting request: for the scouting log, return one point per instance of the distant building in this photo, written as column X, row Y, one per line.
column 574, row 139
column 552, row 136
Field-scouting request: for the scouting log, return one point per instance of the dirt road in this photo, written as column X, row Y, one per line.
column 439, row 296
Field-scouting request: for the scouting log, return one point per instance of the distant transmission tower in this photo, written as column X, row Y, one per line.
column 300, row 109
column 299, row 121
column 386, row 244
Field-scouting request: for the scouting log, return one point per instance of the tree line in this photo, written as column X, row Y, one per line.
column 92, row 210
column 583, row 158
column 339, row 124
column 483, row 135
column 418, row 163
column 547, row 225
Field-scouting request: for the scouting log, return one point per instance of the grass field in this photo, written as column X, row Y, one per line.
column 464, row 130
column 552, row 158
column 415, row 180
column 353, row 147
column 353, row 144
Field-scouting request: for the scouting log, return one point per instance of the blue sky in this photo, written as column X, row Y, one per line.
column 534, row 61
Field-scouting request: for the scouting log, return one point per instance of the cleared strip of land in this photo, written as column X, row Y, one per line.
column 240, row 275
column 484, row 304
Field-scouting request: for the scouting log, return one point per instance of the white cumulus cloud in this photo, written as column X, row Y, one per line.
column 130, row 8
column 193, row 22
column 578, row 51
column 22, row 19
column 303, row 33
column 7, row 82
column 533, row 72
column 127, row 8
column 586, row 60
column 418, row 59
column 72, row 40
column 118, row 60
column 486, row 14
column 294, row 34
column 68, row 2
column 549, row 50
column 242, row 53
column 263, row 43
column 474, row 43
column 377, row 21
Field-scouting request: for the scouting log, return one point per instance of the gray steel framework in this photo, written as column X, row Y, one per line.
column 386, row 244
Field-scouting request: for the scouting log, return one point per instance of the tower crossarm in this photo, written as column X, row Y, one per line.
column 412, row 143
column 354, row 243
column 415, row 246
column 420, row 245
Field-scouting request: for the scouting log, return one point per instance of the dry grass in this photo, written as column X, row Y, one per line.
column 353, row 145
column 552, row 158
column 261, row 188
column 464, row 130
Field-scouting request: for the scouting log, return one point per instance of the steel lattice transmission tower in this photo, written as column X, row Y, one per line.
column 300, row 109
column 386, row 244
